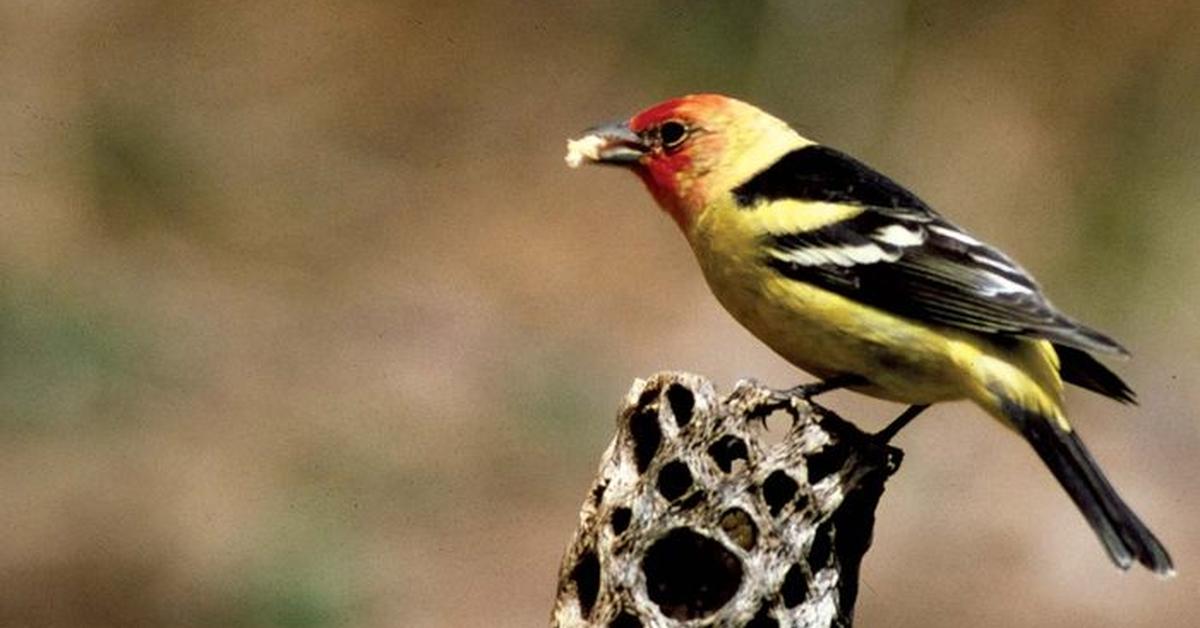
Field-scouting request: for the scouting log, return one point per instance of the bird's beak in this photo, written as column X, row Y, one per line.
column 613, row 144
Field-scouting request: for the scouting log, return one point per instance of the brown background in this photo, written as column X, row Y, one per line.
column 303, row 322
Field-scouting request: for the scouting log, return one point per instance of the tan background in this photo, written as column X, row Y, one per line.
column 303, row 322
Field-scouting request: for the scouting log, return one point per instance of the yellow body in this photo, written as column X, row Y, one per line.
column 827, row 334
column 824, row 333
column 739, row 182
column 1015, row 379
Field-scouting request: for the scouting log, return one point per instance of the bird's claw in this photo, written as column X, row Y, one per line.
column 808, row 391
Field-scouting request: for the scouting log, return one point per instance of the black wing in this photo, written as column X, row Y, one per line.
column 902, row 257
column 1081, row 369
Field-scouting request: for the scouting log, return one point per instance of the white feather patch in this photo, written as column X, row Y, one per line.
column 994, row 263
column 1000, row 285
column 955, row 234
column 836, row 255
column 898, row 235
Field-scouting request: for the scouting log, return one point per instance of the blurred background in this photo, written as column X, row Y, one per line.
column 303, row 321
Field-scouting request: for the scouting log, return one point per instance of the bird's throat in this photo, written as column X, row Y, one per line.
column 679, row 199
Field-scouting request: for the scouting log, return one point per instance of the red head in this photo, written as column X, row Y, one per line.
column 691, row 150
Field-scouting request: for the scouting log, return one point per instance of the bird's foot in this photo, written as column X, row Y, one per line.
column 808, row 391
column 783, row 399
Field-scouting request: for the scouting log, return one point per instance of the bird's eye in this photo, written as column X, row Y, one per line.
column 672, row 133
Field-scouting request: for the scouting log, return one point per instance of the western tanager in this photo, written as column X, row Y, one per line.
column 851, row 277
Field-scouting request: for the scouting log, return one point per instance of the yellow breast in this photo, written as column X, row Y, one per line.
column 827, row 334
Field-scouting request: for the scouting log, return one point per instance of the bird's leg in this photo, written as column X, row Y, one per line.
column 808, row 391
column 780, row 399
column 885, row 435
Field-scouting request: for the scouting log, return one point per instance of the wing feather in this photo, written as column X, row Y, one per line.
column 899, row 255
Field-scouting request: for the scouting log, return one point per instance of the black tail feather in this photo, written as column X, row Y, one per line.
column 1123, row 534
column 1078, row 368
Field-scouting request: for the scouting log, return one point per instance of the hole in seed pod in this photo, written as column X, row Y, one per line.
column 794, row 589
column 648, row 395
column 822, row 546
column 693, row 500
column 586, row 576
column 674, row 480
column 740, row 528
column 774, row 428
column 763, row 619
column 829, row 460
column 689, row 575
column 620, row 520
column 779, row 489
column 598, row 493
column 682, row 402
column 727, row 449
column 643, row 426
column 625, row 620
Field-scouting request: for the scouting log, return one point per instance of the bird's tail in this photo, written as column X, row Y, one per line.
column 1123, row 534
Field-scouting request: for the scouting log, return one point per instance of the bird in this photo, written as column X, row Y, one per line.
column 854, row 279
